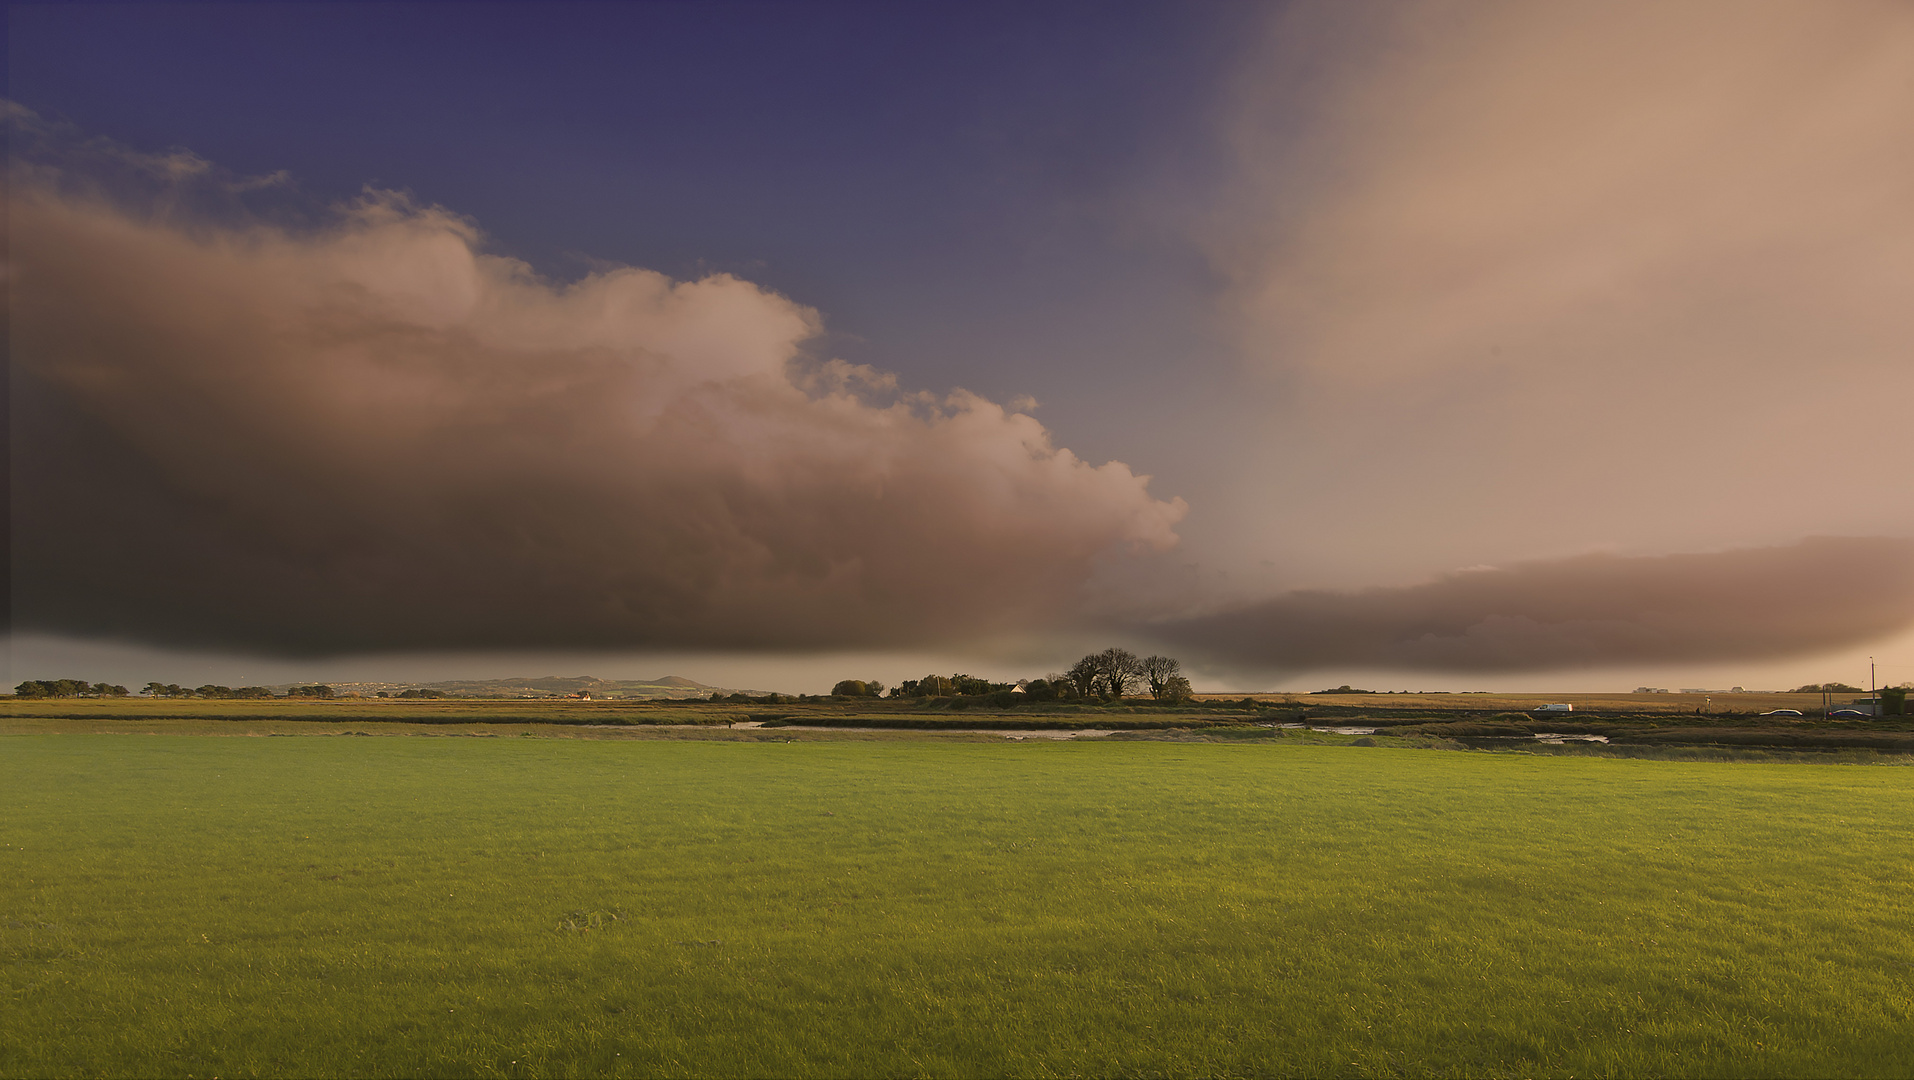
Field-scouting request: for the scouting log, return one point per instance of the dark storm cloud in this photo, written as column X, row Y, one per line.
column 1588, row 611
column 369, row 434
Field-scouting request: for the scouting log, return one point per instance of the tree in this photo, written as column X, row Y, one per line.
column 1176, row 689
column 1084, row 675
column 1118, row 671
column 1158, row 671
column 1061, row 686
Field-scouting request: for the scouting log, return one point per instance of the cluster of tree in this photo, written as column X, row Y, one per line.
column 43, row 688
column 418, row 694
column 761, row 699
column 174, row 690
column 949, row 686
column 858, row 688
column 1113, row 674
column 1345, row 688
column 315, row 691
column 1827, row 688
column 1110, row 675
column 1052, row 687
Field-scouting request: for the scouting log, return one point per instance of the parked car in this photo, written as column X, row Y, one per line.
column 1782, row 712
column 1851, row 714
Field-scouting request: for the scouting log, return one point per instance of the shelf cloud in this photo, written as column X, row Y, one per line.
column 370, row 434
column 1581, row 612
column 358, row 431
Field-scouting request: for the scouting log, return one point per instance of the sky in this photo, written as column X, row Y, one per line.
column 1409, row 345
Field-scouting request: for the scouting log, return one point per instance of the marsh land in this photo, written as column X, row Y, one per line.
column 1634, row 724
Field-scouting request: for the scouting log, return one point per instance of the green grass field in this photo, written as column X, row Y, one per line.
column 516, row 906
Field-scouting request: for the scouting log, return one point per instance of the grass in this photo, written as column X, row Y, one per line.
column 915, row 906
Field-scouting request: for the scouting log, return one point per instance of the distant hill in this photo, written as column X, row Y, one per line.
column 670, row 686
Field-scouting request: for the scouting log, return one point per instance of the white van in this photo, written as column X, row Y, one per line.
column 1554, row 708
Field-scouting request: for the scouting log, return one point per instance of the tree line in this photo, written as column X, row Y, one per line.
column 42, row 688
column 1110, row 675
column 174, row 690
column 67, row 688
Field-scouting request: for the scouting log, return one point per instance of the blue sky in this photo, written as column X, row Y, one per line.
column 1383, row 293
